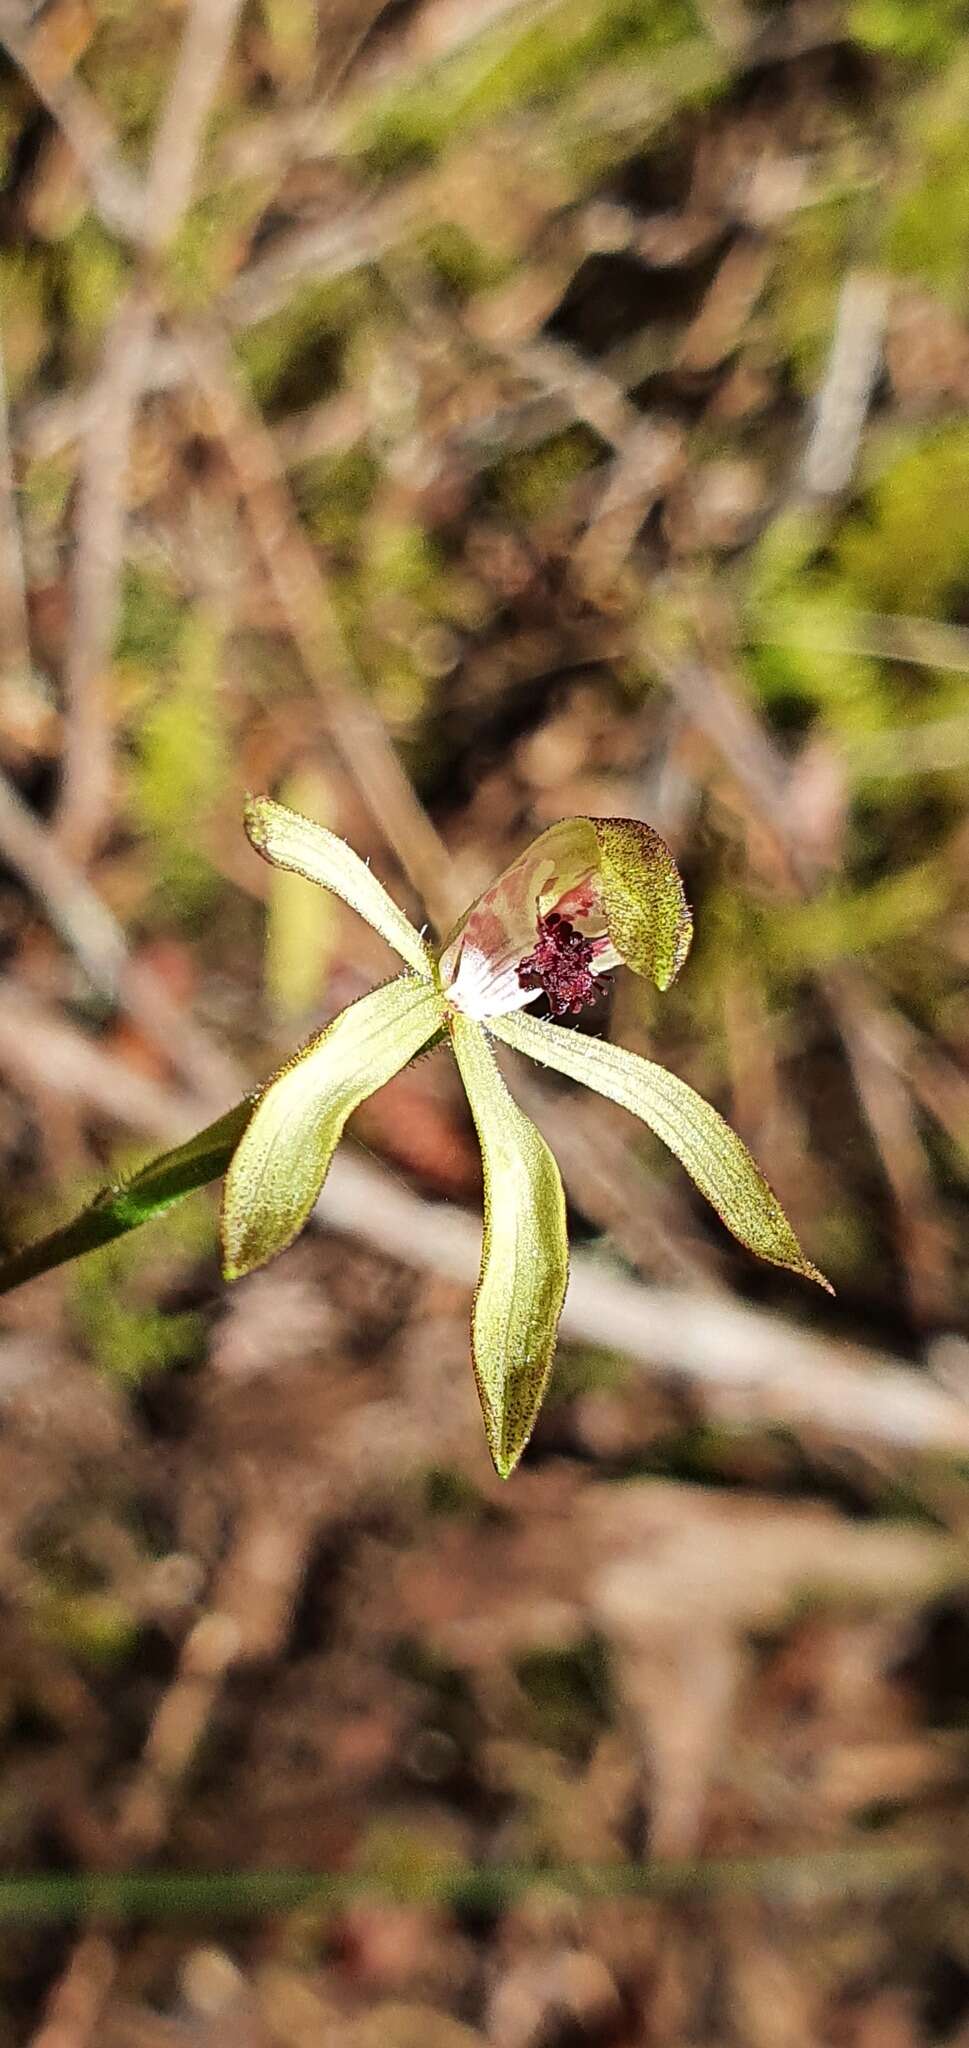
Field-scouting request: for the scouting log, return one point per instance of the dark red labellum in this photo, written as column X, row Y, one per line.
column 561, row 965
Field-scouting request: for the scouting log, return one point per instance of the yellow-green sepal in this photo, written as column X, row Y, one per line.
column 525, row 1254
column 715, row 1158
column 281, row 1162
column 290, row 841
column 647, row 915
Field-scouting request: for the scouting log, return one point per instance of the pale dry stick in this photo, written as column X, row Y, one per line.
column 845, row 397
column 647, row 461
column 876, row 1059
column 361, row 235
column 80, row 1994
column 112, row 401
column 326, row 249
column 86, row 790
column 292, row 566
column 925, row 643
column 179, row 137
column 592, row 396
column 113, row 187
column 648, row 1222
column 716, row 705
column 245, row 1621
column 939, row 747
column 98, row 943
column 322, row 252
column 73, row 906
column 40, row 1048
column 727, row 23
column 942, row 1088
column 102, row 514
column 748, row 1366
column 727, row 305
column 14, row 626
column 47, row 426
column 271, row 147
column 715, row 701
column 297, row 581
column 336, row 248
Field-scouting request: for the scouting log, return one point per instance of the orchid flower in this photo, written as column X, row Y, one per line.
column 587, row 896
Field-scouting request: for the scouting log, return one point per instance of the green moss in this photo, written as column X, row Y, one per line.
column 582, row 1369
column 448, row 1494
column 207, row 250
column 904, row 550
column 292, row 27
column 927, row 236
column 96, row 1628
column 569, row 1695
column 181, row 766
column 93, row 268
column 533, row 482
column 918, row 31
column 46, row 489
column 843, row 922
column 291, row 358
column 461, row 262
column 926, row 232
column 129, row 67
column 402, row 560
column 618, row 108
column 414, row 1859
column 334, row 492
column 151, row 617
column 511, row 66
column 114, row 1298
column 23, row 325
column 909, row 549
column 817, row 251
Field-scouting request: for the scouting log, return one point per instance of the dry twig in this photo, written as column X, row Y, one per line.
column 14, row 629
column 356, row 729
column 846, row 392
column 713, row 698
column 749, row 1367
column 86, row 793
column 113, row 188
column 877, row 1064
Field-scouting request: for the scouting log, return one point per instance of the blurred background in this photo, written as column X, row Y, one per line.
column 450, row 415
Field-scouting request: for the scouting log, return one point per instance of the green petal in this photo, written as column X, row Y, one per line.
column 525, row 1255
column 292, row 842
column 646, row 910
column 714, row 1156
column 280, row 1165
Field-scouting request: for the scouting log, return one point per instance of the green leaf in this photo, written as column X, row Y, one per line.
column 292, row 842
column 281, row 1163
column 144, row 1195
column 525, row 1254
column 714, row 1157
